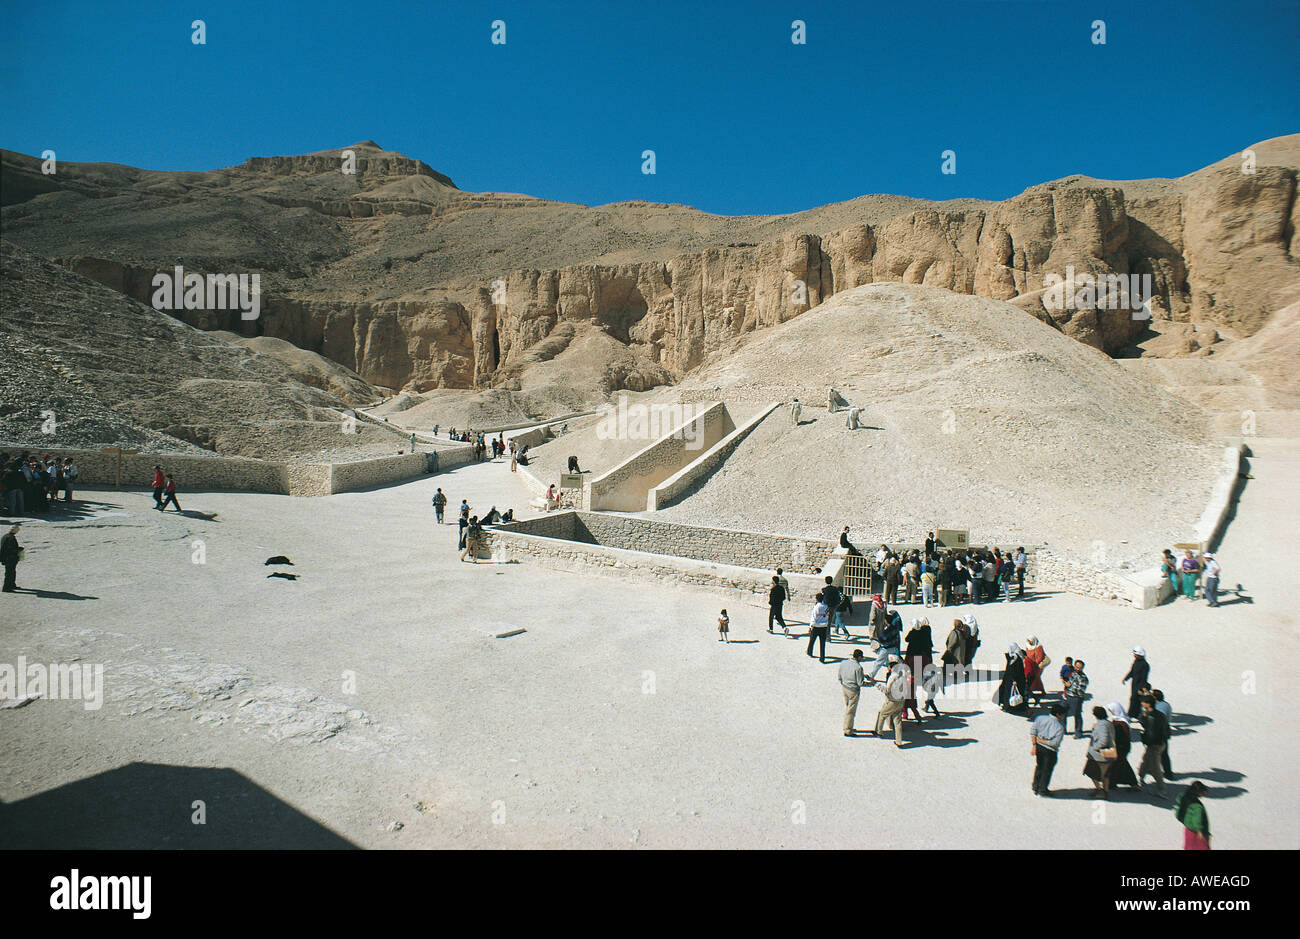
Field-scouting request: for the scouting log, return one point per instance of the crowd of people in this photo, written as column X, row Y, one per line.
column 939, row 577
column 31, row 484
column 908, row 659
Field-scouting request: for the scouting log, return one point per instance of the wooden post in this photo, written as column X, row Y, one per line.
column 119, row 451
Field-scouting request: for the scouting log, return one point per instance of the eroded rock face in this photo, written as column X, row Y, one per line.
column 428, row 303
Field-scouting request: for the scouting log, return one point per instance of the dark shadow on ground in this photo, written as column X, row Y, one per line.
column 53, row 594
column 77, row 510
column 151, row 805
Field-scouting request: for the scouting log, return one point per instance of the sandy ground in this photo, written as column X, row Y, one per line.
column 616, row 720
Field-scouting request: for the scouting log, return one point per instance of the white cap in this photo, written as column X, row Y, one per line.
column 1138, row 650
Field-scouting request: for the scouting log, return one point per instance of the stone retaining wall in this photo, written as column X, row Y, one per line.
column 674, row 487
column 554, row 549
column 626, row 487
column 649, row 536
column 191, row 472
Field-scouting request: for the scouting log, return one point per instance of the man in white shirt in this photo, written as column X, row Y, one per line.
column 1211, row 582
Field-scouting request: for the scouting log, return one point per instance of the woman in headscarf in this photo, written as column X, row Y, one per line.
column 954, row 651
column 918, row 656
column 1121, row 774
column 1196, row 824
column 877, row 616
column 1011, row 693
column 1035, row 661
column 1101, row 753
column 972, row 638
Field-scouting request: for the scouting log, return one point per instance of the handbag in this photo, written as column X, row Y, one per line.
column 1014, row 700
column 1109, row 753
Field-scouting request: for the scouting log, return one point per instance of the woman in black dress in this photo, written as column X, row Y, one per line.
column 1013, row 681
column 918, row 655
column 1121, row 773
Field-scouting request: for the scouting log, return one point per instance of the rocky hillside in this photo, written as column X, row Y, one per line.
column 399, row 275
column 82, row 365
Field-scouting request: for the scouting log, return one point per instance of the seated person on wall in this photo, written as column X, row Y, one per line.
column 523, row 455
column 573, row 465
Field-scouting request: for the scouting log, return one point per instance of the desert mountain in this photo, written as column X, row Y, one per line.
column 397, row 274
column 98, row 368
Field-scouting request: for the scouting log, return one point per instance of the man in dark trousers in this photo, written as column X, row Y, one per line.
column 834, row 599
column 1045, row 742
column 159, row 484
column 439, row 504
column 1138, row 673
column 929, row 545
column 9, row 549
column 775, row 599
column 1155, row 736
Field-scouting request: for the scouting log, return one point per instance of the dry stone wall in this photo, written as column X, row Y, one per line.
column 625, row 488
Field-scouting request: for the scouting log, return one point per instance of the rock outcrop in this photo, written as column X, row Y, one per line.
column 397, row 274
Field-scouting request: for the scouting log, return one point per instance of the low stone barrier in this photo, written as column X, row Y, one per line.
column 674, row 487
column 552, row 540
column 242, row 474
column 626, row 487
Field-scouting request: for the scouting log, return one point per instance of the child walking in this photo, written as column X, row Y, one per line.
column 724, row 624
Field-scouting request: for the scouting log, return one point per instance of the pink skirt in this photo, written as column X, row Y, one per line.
column 1194, row 841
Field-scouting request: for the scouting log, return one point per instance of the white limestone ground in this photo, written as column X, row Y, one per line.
column 553, row 731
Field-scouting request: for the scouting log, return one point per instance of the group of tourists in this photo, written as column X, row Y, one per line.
column 470, row 538
column 30, row 485
column 1184, row 573
column 948, row 577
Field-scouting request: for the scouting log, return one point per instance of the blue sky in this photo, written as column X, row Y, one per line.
column 741, row 119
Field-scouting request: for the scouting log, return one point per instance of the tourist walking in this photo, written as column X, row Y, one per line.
column 1167, row 710
column 1191, row 813
column 929, row 579
column 795, row 410
column 819, row 626
column 895, row 691
column 11, row 552
column 1076, row 688
column 463, row 523
column 775, row 599
column 785, row 584
column 1155, row 734
column 893, row 577
column 473, row 539
column 972, row 637
column 724, row 627
column 159, row 484
column 834, row 601
column 169, row 495
column 1036, row 661
column 1121, row 771
column 1045, row 744
column 1022, row 565
column 851, row 681
column 1138, row 673
column 1101, row 753
column 953, row 651
column 439, row 504
column 889, row 640
column 1011, row 692
column 919, row 658
column 1211, row 584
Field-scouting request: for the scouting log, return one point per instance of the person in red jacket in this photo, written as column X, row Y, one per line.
column 159, row 483
column 171, row 495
